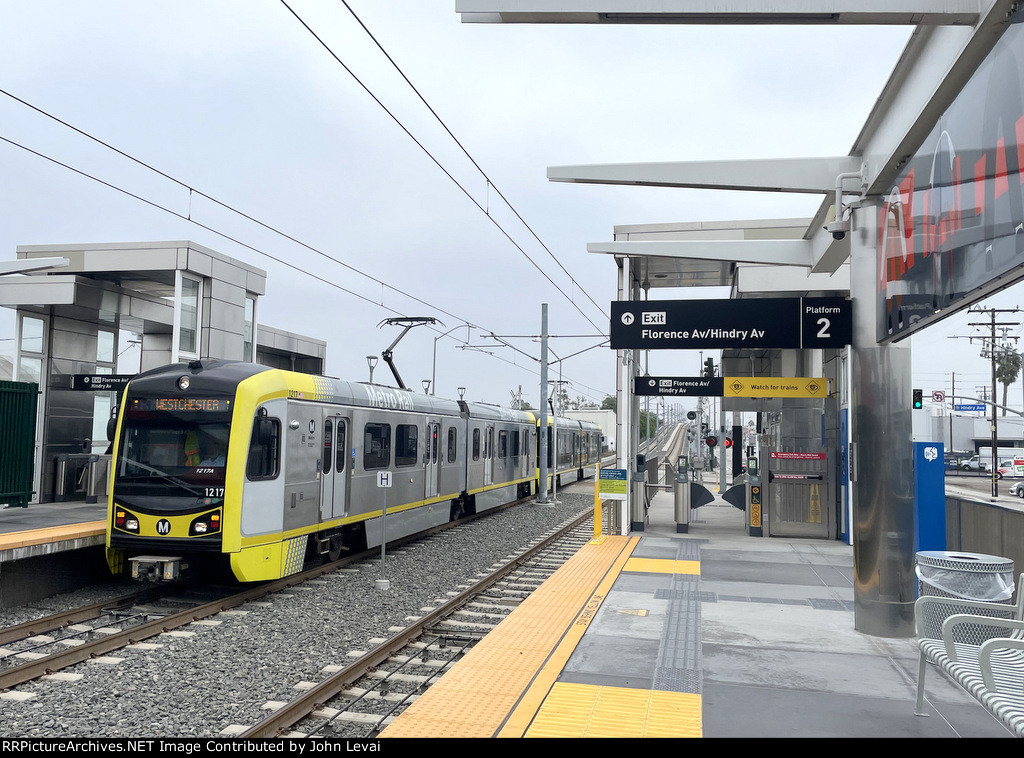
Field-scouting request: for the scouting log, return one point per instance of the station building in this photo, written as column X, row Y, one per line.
column 78, row 305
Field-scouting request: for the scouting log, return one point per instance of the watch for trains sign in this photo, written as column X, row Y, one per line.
column 789, row 322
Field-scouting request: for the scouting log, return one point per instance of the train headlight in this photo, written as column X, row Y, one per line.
column 206, row 524
column 126, row 521
column 183, row 382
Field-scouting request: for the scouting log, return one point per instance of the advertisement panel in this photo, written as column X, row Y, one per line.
column 953, row 221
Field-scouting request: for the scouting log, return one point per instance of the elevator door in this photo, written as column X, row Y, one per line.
column 799, row 491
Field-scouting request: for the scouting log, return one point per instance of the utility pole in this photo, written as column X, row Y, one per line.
column 992, row 324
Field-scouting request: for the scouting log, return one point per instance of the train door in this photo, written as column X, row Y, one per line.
column 432, row 460
column 333, row 468
column 489, row 456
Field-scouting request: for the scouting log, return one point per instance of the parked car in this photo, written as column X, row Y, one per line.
column 1017, row 488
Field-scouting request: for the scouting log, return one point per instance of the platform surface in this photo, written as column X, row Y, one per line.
column 710, row 633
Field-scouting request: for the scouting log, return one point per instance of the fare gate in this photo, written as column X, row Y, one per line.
column 799, row 493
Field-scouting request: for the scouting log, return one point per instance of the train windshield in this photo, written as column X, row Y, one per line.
column 181, row 451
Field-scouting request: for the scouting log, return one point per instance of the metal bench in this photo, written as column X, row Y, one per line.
column 981, row 646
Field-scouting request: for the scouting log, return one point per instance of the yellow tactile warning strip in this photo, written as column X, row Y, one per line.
column 50, row 534
column 583, row 710
column 662, row 566
column 507, row 686
column 500, row 684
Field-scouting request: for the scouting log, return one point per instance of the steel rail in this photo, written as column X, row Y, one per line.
column 26, row 672
column 75, row 615
column 294, row 711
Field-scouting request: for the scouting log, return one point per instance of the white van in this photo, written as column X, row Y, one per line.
column 974, row 463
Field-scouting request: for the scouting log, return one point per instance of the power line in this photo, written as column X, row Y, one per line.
column 436, row 162
column 188, row 218
column 472, row 160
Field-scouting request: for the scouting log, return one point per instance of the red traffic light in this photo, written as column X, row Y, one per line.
column 728, row 442
column 711, row 441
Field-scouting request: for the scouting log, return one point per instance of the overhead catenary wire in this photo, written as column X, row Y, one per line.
column 445, row 171
column 476, row 165
column 187, row 217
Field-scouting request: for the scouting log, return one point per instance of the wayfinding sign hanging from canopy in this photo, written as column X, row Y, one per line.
column 788, row 322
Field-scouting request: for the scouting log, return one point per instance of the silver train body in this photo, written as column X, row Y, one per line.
column 309, row 466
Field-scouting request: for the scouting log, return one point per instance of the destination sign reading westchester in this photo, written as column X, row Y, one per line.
column 794, row 322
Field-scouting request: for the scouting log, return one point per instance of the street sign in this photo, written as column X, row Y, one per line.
column 969, row 407
column 678, row 386
column 789, row 322
column 938, row 396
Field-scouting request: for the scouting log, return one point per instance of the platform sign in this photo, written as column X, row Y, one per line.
column 613, row 484
column 100, row 382
column 383, row 478
column 789, row 322
column 678, row 386
column 772, row 386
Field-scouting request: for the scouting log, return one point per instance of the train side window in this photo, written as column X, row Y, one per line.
column 502, row 444
column 476, row 444
column 340, row 447
column 264, row 461
column 376, row 446
column 328, row 440
column 406, row 436
column 452, row 439
column 515, row 443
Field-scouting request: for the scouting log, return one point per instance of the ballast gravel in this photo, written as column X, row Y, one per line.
column 214, row 676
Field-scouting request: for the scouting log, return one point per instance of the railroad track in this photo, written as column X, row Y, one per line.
column 33, row 649
column 360, row 699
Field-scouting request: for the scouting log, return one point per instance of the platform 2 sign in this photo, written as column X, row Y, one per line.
column 780, row 323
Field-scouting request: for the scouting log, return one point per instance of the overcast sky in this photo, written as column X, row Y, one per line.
column 238, row 100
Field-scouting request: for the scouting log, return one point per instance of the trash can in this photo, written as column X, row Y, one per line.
column 972, row 576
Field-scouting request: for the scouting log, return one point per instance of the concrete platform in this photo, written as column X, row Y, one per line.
column 710, row 633
column 49, row 548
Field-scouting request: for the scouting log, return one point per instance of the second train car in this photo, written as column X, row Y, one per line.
column 232, row 465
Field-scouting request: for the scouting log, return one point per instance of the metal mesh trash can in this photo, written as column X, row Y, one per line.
column 972, row 576
column 964, row 576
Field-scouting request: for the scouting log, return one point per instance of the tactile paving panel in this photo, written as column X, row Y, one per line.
column 582, row 710
column 498, row 687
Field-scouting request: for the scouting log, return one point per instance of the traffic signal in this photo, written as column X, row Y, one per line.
column 918, row 400
column 709, row 368
column 711, row 441
column 728, row 442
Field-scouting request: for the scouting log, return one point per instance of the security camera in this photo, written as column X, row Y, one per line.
column 838, row 229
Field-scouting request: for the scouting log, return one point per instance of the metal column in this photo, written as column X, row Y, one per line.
column 882, row 479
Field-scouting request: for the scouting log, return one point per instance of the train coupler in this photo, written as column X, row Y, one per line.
column 157, row 568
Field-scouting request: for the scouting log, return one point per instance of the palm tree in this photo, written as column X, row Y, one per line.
column 1008, row 363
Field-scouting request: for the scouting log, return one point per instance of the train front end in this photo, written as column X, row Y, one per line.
column 170, row 475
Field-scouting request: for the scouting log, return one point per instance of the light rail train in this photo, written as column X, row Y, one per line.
column 221, row 465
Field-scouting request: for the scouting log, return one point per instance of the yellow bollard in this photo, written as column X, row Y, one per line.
column 597, row 506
